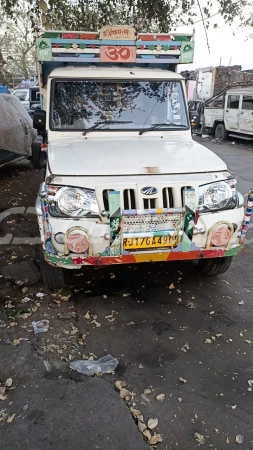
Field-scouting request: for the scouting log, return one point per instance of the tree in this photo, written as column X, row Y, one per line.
column 17, row 45
column 162, row 14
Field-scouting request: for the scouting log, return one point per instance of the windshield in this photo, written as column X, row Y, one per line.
column 79, row 105
column 21, row 95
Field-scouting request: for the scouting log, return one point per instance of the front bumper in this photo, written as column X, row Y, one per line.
column 106, row 239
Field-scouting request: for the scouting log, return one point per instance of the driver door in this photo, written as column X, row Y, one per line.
column 231, row 116
column 246, row 116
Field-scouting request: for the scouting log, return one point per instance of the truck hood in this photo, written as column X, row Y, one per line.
column 130, row 156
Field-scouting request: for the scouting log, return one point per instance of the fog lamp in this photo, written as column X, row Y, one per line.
column 77, row 243
column 221, row 237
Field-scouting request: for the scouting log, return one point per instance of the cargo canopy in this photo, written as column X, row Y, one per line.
column 116, row 45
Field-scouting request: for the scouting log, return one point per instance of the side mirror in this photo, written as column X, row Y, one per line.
column 39, row 120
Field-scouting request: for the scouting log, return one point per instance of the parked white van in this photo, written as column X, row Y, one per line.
column 230, row 113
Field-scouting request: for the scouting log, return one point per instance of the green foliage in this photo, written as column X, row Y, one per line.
column 160, row 15
column 17, row 46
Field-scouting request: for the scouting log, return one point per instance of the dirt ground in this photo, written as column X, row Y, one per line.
column 174, row 333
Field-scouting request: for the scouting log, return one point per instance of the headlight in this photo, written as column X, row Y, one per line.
column 217, row 196
column 74, row 202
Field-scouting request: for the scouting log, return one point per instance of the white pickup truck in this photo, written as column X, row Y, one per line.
column 230, row 113
column 125, row 183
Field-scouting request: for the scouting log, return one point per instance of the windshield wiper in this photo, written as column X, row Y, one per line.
column 105, row 122
column 157, row 125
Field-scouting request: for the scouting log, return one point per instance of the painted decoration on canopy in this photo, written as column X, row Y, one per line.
column 187, row 52
column 43, row 49
column 118, row 32
column 118, row 54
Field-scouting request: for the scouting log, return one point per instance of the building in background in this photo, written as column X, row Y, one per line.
column 210, row 80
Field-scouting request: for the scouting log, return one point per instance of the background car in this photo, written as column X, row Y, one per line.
column 28, row 96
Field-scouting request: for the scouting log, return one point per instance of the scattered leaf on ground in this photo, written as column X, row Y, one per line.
column 185, row 347
column 98, row 325
column 155, row 439
column 208, row 341
column 10, row 418
column 141, row 426
column 120, row 384
column 190, row 305
column 211, row 312
column 160, row 397
column 3, row 397
column 171, row 286
column 8, row 382
column 247, row 341
column 147, row 391
column 233, row 406
column 147, row 434
column 199, row 438
column 135, row 412
column 152, row 423
column 250, row 383
column 87, row 315
column 182, row 380
column 239, row 438
column 127, row 395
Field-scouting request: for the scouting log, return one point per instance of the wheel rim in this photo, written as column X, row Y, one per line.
column 219, row 133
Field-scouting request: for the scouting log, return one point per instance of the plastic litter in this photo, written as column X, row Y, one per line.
column 25, row 300
column 65, row 315
column 40, row 294
column 41, row 326
column 106, row 364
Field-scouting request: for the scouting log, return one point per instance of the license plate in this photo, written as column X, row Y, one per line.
column 149, row 242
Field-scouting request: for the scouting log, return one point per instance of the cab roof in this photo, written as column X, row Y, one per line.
column 114, row 72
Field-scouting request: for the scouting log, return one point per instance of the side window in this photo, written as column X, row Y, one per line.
column 21, row 95
column 247, row 102
column 233, row 101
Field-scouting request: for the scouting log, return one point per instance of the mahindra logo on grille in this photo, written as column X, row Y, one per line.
column 149, row 190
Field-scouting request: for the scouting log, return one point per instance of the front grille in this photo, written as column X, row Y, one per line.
column 106, row 198
column 168, row 198
column 149, row 223
column 150, row 203
column 129, row 199
column 132, row 198
column 182, row 194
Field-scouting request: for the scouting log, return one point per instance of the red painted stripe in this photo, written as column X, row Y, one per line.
column 130, row 259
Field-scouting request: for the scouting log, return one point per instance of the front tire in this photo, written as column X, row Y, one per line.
column 221, row 132
column 214, row 266
column 38, row 157
column 53, row 277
